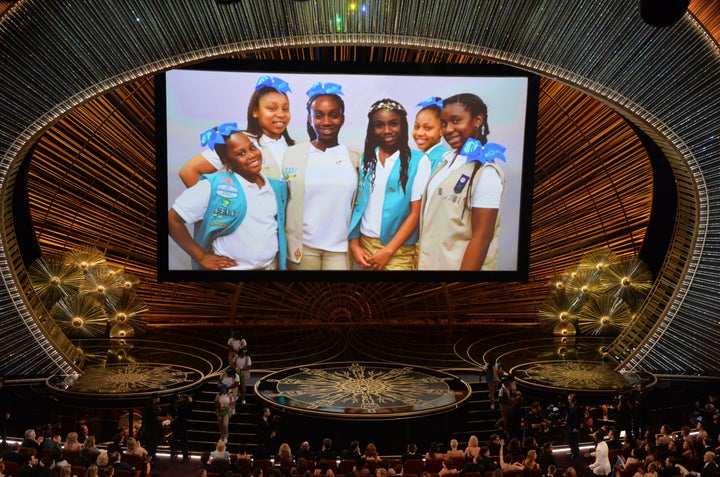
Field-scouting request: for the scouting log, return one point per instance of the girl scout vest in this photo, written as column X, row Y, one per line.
column 294, row 168
column 270, row 166
column 396, row 204
column 227, row 209
column 446, row 227
column 436, row 156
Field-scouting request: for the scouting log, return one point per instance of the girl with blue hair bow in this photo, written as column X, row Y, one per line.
column 427, row 130
column 322, row 179
column 239, row 211
column 268, row 116
column 461, row 206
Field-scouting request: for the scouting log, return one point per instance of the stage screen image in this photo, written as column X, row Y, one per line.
column 192, row 101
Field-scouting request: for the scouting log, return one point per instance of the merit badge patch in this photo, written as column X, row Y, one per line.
column 297, row 254
column 227, row 191
column 461, row 183
column 290, row 172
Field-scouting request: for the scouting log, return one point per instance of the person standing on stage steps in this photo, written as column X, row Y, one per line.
column 574, row 423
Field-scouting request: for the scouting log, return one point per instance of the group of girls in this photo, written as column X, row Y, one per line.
column 390, row 208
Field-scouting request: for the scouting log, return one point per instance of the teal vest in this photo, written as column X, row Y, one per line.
column 436, row 156
column 396, row 204
column 227, row 208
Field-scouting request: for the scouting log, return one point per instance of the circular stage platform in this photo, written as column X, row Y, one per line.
column 362, row 390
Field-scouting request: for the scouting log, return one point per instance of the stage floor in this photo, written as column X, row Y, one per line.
column 354, row 371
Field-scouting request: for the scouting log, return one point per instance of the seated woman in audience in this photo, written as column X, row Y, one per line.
column 666, row 435
column 71, row 442
column 242, row 453
column 284, row 454
column 649, row 471
column 220, row 452
column 701, row 431
column 371, row 453
column 508, row 466
column 89, row 445
column 134, row 448
column 300, row 467
column 102, row 460
column 92, row 470
column 323, row 469
column 472, row 449
column 448, row 468
column 634, row 457
column 530, row 461
column 454, row 452
column 434, row 452
column 688, row 448
column 650, row 452
column 515, row 449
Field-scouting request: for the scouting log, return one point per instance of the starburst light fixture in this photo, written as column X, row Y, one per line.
column 53, row 278
column 597, row 298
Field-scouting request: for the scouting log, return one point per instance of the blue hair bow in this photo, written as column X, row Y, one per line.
column 474, row 150
column 329, row 88
column 273, row 82
column 431, row 101
column 214, row 136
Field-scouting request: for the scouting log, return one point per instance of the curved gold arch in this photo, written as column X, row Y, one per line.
column 565, row 42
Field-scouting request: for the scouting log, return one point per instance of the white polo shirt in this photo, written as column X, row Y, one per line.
column 371, row 222
column 330, row 183
column 487, row 193
column 254, row 244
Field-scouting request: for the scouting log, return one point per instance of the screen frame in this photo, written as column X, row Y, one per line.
column 520, row 274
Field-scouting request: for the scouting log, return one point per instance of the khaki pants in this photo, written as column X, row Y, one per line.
column 402, row 259
column 316, row 259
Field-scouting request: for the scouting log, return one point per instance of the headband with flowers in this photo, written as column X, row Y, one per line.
column 387, row 104
column 214, row 136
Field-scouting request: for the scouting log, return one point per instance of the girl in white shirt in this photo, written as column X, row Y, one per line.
column 463, row 197
column 384, row 223
column 322, row 178
column 268, row 117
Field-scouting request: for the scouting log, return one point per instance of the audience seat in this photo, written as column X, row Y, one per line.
column 264, row 464
column 78, row 470
column 137, row 462
column 346, row 465
column 473, row 474
column 70, row 456
column 11, row 468
column 221, row 465
column 433, row 465
column 414, row 466
column 244, row 465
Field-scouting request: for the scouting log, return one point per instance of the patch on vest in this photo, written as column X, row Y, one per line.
column 297, row 254
column 290, row 172
column 461, row 183
column 227, row 191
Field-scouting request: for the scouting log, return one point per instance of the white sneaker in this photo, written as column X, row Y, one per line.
column 243, row 401
column 492, row 405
